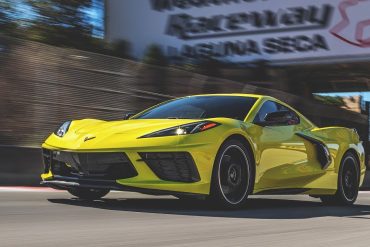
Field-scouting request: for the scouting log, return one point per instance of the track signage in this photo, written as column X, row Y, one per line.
column 244, row 30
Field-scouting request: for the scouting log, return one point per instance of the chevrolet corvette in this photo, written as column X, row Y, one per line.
column 221, row 147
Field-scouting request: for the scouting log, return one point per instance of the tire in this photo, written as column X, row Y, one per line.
column 233, row 175
column 88, row 194
column 348, row 183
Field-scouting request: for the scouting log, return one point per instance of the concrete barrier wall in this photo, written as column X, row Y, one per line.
column 20, row 166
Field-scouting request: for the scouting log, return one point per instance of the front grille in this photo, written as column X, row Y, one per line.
column 172, row 166
column 102, row 166
column 46, row 158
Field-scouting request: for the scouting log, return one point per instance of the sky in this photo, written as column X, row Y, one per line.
column 365, row 95
column 95, row 15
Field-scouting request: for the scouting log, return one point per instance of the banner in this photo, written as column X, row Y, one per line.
column 244, row 30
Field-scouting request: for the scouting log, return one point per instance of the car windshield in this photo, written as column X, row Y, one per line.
column 199, row 107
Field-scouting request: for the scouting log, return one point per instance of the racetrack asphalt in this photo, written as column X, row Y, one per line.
column 52, row 218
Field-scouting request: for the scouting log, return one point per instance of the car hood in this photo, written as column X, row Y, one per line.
column 93, row 134
column 138, row 126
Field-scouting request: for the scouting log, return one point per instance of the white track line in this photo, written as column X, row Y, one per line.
column 364, row 192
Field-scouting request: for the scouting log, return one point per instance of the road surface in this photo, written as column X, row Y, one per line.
column 40, row 217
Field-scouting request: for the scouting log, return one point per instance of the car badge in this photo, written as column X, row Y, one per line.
column 88, row 138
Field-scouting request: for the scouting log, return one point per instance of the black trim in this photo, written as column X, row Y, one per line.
column 172, row 166
column 265, row 123
column 47, row 159
column 322, row 151
column 65, row 183
column 89, row 165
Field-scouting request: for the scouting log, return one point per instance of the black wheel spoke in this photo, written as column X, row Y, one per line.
column 348, row 182
column 226, row 159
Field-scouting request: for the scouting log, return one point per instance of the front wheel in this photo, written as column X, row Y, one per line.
column 88, row 194
column 348, row 183
column 232, row 179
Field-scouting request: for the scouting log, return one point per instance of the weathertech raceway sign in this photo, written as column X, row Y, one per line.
column 244, row 30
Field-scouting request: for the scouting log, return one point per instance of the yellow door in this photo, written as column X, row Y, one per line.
column 285, row 160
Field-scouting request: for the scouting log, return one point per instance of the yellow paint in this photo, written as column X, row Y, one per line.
column 283, row 160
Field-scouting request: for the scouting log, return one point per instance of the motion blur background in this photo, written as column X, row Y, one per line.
column 63, row 60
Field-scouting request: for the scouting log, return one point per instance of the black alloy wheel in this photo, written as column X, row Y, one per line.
column 348, row 182
column 233, row 178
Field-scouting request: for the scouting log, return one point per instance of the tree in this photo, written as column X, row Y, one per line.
column 6, row 23
column 154, row 56
column 330, row 100
column 210, row 66
column 121, row 48
column 61, row 22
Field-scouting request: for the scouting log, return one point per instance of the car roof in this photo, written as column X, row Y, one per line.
column 234, row 94
column 257, row 96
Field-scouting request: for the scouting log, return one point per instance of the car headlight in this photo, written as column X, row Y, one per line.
column 184, row 129
column 62, row 130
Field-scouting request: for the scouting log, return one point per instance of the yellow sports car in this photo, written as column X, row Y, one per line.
column 222, row 147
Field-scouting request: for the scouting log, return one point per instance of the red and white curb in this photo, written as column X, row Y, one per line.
column 26, row 189
column 30, row 189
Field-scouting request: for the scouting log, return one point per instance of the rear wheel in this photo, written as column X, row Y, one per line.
column 348, row 183
column 232, row 179
column 88, row 194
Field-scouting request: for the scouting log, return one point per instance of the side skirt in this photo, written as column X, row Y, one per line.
column 282, row 192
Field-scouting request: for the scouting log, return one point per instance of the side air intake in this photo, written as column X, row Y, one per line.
column 172, row 166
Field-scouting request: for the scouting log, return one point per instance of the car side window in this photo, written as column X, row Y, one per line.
column 267, row 107
column 270, row 106
column 294, row 118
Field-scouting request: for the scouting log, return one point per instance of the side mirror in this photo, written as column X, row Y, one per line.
column 280, row 118
column 128, row 115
